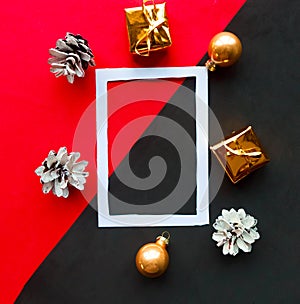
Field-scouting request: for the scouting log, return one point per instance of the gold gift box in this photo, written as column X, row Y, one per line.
column 148, row 28
column 240, row 154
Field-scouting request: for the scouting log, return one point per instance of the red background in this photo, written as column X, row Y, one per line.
column 40, row 113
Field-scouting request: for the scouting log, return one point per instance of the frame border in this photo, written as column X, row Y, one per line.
column 103, row 76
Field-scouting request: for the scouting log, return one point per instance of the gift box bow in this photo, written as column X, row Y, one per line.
column 239, row 149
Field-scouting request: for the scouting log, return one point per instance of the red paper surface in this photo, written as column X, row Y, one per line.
column 40, row 113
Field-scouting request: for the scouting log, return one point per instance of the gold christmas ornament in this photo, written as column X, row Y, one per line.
column 152, row 259
column 224, row 50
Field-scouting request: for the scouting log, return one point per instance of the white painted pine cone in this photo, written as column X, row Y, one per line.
column 60, row 169
column 236, row 231
column 71, row 57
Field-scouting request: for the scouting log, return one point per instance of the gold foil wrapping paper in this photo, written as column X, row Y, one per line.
column 240, row 154
column 148, row 28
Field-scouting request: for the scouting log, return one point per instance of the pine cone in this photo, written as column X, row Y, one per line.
column 59, row 169
column 235, row 230
column 71, row 57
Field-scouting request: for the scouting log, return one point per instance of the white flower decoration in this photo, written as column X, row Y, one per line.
column 60, row 169
column 235, row 230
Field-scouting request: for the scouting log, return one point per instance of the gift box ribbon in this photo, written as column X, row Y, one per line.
column 155, row 23
column 242, row 152
column 239, row 151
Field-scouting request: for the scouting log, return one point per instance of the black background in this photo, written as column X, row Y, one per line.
column 92, row 265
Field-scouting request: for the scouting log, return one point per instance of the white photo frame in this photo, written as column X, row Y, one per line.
column 103, row 76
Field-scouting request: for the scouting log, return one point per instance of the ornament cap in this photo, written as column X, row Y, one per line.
column 210, row 65
column 163, row 239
